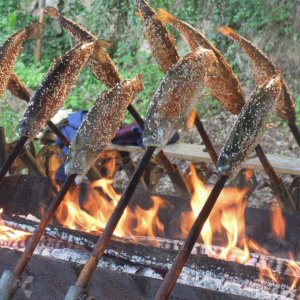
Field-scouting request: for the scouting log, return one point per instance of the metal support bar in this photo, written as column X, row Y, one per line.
column 112, row 223
column 183, row 255
column 3, row 146
column 7, row 164
column 38, row 232
column 33, row 167
column 281, row 192
column 295, row 131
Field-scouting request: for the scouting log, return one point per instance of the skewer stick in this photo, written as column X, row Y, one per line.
column 7, row 164
column 183, row 255
column 111, row 225
column 295, row 131
column 177, row 180
column 10, row 281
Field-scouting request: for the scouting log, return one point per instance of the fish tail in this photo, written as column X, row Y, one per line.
column 52, row 12
column 225, row 30
column 138, row 84
column 165, row 17
column 191, row 119
column 99, row 53
column 139, row 14
column 145, row 9
column 34, row 31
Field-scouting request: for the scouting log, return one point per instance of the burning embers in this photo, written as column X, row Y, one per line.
column 225, row 226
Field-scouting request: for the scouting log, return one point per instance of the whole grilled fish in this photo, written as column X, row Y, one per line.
column 100, row 126
column 17, row 88
column 263, row 71
column 224, row 86
column 176, row 96
column 11, row 48
column 160, row 41
column 54, row 89
column 100, row 62
column 249, row 127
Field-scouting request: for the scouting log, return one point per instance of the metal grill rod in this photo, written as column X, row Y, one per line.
column 183, row 255
column 103, row 241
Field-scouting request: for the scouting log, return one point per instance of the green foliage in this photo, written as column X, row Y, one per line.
column 116, row 21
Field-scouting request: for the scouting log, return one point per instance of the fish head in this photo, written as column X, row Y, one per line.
column 52, row 12
column 79, row 162
column 158, row 136
column 225, row 163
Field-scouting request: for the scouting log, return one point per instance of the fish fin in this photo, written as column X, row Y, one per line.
column 52, row 12
column 99, row 52
column 191, row 119
column 100, row 55
column 17, row 88
column 164, row 16
column 138, row 83
column 34, row 31
column 139, row 14
column 103, row 44
column 225, row 30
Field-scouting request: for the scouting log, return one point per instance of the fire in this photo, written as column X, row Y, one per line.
column 10, row 235
column 278, row 223
column 98, row 207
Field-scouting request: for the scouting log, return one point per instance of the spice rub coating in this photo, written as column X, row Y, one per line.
column 54, row 89
column 249, row 127
column 100, row 125
column 224, row 86
column 176, row 96
column 263, row 70
column 161, row 43
column 12, row 47
column 100, row 62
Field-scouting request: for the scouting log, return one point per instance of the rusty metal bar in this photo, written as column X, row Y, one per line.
column 33, row 166
column 281, row 192
column 111, row 225
column 7, row 164
column 33, row 241
column 182, row 256
column 295, row 131
column 207, row 143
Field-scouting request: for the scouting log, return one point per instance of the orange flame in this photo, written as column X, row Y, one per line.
column 278, row 223
column 8, row 234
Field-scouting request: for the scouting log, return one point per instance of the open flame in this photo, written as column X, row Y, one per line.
column 9, row 235
column 226, row 220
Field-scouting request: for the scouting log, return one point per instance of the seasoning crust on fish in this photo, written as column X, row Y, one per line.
column 100, row 62
column 54, row 89
column 224, row 86
column 161, row 43
column 12, row 47
column 248, row 128
column 176, row 96
column 100, row 125
column 263, row 70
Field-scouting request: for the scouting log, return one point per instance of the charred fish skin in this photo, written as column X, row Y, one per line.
column 17, row 88
column 54, row 89
column 161, row 43
column 100, row 63
column 176, row 97
column 224, row 86
column 263, row 70
column 248, row 128
column 100, row 125
column 12, row 47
